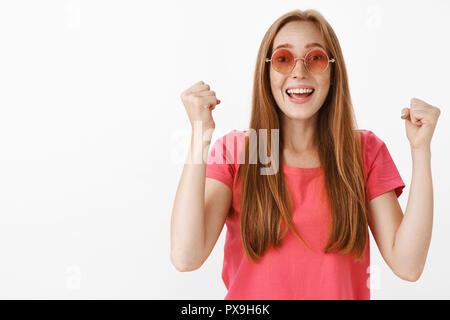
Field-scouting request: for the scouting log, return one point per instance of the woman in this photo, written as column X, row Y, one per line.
column 301, row 232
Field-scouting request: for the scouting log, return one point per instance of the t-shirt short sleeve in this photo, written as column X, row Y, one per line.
column 220, row 164
column 382, row 175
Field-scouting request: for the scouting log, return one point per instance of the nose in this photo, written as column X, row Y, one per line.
column 299, row 69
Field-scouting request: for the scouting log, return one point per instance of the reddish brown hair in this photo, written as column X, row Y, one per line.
column 266, row 206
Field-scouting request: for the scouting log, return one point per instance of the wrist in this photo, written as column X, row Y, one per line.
column 421, row 155
column 421, row 149
column 202, row 128
column 200, row 144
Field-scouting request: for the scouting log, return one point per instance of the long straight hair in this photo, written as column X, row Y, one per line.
column 266, row 206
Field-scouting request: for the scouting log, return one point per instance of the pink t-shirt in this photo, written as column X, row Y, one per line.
column 292, row 271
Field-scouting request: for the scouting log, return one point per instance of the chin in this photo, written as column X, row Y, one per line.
column 296, row 113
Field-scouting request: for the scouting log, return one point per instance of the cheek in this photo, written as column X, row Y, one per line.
column 324, row 90
column 324, row 84
column 276, row 85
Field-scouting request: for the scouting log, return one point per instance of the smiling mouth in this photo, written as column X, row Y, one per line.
column 299, row 96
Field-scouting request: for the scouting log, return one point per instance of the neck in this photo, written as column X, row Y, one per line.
column 299, row 136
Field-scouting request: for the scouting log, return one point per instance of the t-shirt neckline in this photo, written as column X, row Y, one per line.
column 297, row 170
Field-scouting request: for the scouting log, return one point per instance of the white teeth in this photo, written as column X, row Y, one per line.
column 300, row 90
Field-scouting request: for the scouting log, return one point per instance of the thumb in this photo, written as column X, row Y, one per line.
column 405, row 114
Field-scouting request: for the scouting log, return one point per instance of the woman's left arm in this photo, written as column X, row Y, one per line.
column 404, row 239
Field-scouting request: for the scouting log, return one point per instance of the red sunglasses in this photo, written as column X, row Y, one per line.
column 315, row 60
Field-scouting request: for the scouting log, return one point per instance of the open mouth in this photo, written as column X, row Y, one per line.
column 299, row 94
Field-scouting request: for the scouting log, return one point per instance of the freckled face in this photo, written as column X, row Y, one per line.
column 299, row 34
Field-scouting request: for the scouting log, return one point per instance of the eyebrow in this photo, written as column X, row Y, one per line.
column 309, row 45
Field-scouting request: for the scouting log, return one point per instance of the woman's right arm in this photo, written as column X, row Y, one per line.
column 201, row 204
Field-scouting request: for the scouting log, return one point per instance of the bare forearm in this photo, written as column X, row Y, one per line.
column 187, row 225
column 412, row 239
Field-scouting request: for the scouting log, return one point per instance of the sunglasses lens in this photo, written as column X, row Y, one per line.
column 282, row 61
column 316, row 61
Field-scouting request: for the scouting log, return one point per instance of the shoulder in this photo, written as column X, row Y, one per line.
column 234, row 136
column 372, row 148
column 237, row 133
column 231, row 145
column 371, row 143
column 381, row 173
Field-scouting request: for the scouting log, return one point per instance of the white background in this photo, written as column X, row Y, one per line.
column 93, row 133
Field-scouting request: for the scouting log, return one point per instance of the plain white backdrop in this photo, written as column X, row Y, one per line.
column 93, row 134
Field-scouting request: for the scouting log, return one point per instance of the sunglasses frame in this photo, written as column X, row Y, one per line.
column 298, row 58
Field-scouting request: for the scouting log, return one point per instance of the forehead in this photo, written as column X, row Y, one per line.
column 298, row 34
